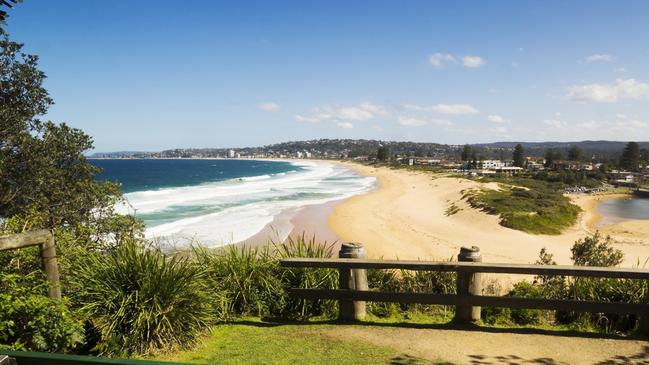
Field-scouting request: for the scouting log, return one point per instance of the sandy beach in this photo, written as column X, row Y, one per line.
column 405, row 218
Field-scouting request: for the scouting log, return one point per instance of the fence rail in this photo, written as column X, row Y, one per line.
column 468, row 298
column 44, row 239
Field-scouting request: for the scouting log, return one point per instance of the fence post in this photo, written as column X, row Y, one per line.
column 48, row 255
column 352, row 279
column 468, row 283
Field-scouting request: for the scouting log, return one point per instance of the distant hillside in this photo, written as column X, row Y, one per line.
column 337, row 148
column 593, row 148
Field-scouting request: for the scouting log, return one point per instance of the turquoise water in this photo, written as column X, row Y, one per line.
column 216, row 202
column 618, row 210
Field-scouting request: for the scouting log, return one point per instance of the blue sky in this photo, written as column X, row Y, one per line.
column 150, row 75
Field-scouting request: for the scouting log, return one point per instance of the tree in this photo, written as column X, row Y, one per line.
column 383, row 153
column 596, row 251
column 574, row 154
column 519, row 156
column 44, row 175
column 644, row 156
column 466, row 153
column 474, row 160
column 551, row 156
column 630, row 159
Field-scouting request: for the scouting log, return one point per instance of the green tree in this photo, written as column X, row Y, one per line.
column 630, row 159
column 43, row 172
column 383, row 153
column 644, row 156
column 466, row 153
column 574, row 154
column 596, row 251
column 519, row 156
column 551, row 157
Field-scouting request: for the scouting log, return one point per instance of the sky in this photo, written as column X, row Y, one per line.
column 152, row 75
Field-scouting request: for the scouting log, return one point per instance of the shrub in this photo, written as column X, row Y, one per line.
column 243, row 277
column 141, row 300
column 596, row 251
column 30, row 321
column 305, row 278
column 526, row 316
column 252, row 282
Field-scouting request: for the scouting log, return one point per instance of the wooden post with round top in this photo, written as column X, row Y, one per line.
column 468, row 284
column 352, row 279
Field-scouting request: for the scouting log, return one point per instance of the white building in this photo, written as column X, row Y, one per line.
column 492, row 164
column 231, row 154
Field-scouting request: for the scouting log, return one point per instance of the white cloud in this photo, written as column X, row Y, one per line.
column 269, row 107
column 439, row 59
column 301, row 118
column 607, row 93
column 450, row 109
column 598, row 57
column 454, row 109
column 345, row 125
column 554, row 123
column 412, row 122
column 497, row 119
column 472, row 61
column 358, row 113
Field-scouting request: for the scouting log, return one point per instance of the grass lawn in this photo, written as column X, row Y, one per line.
column 252, row 341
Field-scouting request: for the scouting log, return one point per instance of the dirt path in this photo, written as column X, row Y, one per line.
column 494, row 346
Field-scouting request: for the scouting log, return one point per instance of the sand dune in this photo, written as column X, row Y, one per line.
column 406, row 218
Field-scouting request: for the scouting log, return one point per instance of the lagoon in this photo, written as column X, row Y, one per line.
column 618, row 210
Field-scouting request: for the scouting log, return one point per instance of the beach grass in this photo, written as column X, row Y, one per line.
column 252, row 341
column 531, row 206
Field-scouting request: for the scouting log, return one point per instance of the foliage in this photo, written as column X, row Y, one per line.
column 243, row 276
column 574, row 153
column 141, row 300
column 596, row 251
column 30, row 321
column 519, row 156
column 44, row 174
column 252, row 282
column 410, row 282
column 384, row 153
column 630, row 159
column 305, row 278
column 538, row 207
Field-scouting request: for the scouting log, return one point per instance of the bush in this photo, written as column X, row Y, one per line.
column 595, row 251
column 252, row 282
column 305, row 278
column 30, row 321
column 410, row 282
column 243, row 277
column 526, row 316
column 141, row 300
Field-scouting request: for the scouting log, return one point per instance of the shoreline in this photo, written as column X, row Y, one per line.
column 405, row 218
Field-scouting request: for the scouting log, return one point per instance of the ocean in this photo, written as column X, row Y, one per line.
column 218, row 202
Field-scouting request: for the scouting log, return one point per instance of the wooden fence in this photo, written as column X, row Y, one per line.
column 45, row 240
column 468, row 298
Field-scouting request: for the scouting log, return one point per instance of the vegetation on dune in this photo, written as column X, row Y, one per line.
column 590, row 251
column 534, row 206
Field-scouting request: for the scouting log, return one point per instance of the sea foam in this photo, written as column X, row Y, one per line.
column 219, row 213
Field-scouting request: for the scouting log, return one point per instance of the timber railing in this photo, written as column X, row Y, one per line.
column 353, row 291
column 45, row 358
column 45, row 240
